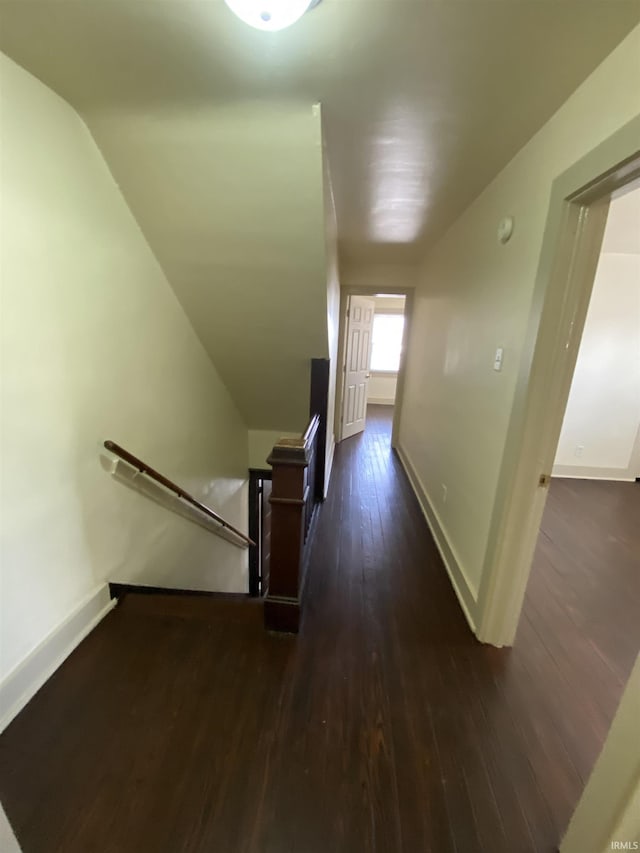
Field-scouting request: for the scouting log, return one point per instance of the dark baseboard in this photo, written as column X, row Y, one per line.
column 119, row 590
column 318, row 405
column 282, row 614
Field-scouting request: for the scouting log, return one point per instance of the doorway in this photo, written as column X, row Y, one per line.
column 576, row 221
column 582, row 593
column 388, row 330
column 600, row 435
column 373, row 336
column 578, row 210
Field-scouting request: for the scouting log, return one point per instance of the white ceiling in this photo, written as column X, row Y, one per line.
column 423, row 102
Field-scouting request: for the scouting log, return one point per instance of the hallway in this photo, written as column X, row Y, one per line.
column 179, row 725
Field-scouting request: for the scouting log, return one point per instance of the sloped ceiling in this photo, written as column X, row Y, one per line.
column 230, row 198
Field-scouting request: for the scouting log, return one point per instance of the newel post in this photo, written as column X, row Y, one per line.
column 290, row 490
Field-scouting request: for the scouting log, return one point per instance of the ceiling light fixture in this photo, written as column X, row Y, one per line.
column 270, row 15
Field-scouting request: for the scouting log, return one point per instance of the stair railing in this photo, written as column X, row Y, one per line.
column 150, row 472
column 294, row 496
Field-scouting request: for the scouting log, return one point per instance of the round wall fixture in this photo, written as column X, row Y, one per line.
column 270, row 15
column 505, row 229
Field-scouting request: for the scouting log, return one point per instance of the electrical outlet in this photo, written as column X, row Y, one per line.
column 579, row 450
column 444, row 493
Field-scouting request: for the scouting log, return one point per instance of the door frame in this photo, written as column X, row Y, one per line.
column 345, row 292
column 609, row 808
column 570, row 250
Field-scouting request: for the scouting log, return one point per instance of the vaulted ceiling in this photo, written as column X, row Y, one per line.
column 423, row 102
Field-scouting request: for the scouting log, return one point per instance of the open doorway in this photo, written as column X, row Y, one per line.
column 371, row 360
column 600, row 435
column 578, row 209
column 596, row 633
column 583, row 593
column 386, row 349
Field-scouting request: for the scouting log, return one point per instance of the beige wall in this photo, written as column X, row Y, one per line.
column 385, row 278
column 94, row 346
column 602, row 419
column 382, row 388
column 230, row 198
column 475, row 295
column 261, row 443
column 8, row 841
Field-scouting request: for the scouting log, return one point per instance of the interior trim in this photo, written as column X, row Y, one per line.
column 24, row 681
column 463, row 589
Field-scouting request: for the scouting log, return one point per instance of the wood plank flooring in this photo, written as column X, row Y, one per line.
column 179, row 726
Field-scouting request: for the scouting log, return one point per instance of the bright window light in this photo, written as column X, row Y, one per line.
column 387, row 341
column 269, row 15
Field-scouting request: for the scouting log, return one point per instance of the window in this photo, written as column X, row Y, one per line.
column 387, row 341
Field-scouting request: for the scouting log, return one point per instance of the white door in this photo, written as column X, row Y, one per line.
column 358, row 358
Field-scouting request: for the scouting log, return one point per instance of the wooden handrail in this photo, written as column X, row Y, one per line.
column 168, row 484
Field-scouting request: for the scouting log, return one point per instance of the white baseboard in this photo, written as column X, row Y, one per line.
column 8, row 841
column 23, row 682
column 463, row 589
column 576, row 472
column 381, row 401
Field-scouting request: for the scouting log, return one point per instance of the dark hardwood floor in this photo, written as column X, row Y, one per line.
column 179, row 726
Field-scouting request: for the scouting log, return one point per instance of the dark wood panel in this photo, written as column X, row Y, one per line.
column 265, row 537
column 254, row 533
column 120, row 590
column 384, row 727
column 259, row 530
column 318, row 405
column 293, row 503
